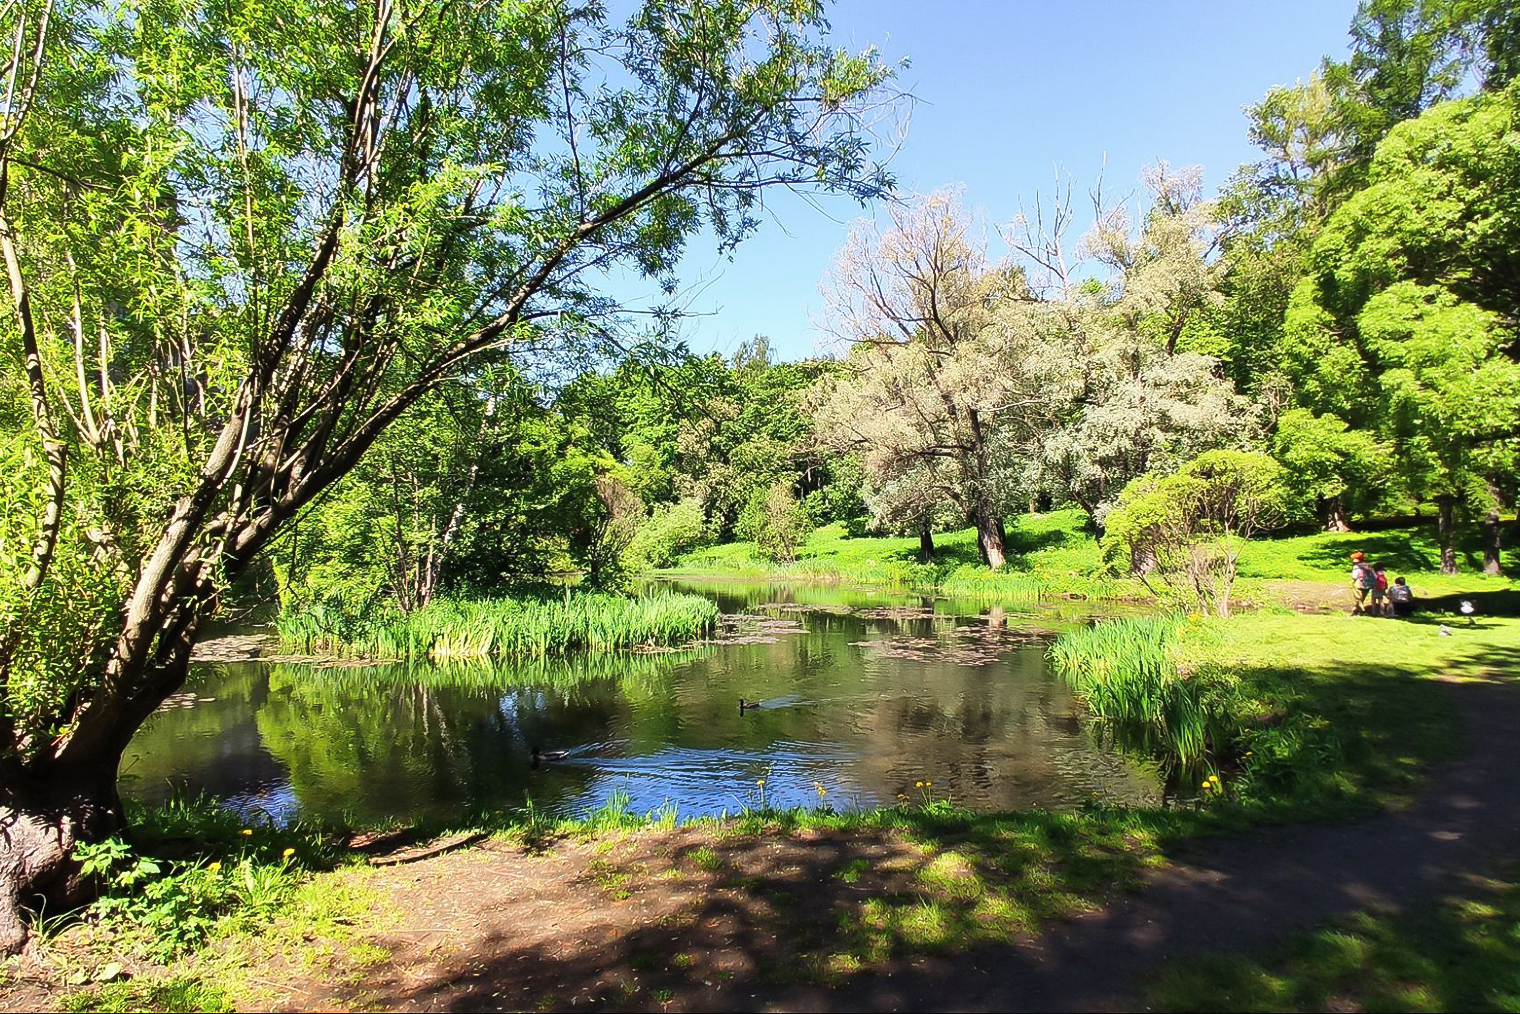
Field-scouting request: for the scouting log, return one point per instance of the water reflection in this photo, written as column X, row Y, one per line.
column 869, row 695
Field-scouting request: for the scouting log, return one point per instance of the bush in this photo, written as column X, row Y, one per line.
column 783, row 525
column 671, row 530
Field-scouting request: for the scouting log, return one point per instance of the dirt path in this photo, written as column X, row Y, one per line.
column 1249, row 892
column 677, row 921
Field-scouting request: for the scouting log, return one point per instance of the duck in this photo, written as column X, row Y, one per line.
column 751, row 706
column 1445, row 630
column 539, row 756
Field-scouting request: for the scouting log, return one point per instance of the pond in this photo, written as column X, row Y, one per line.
column 863, row 694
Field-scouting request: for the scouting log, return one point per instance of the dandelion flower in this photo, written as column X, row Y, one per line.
column 213, row 867
column 288, row 853
column 929, row 784
column 760, row 782
column 246, row 832
column 918, row 785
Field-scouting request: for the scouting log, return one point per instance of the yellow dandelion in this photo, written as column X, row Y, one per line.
column 213, row 867
column 288, row 853
column 918, row 785
column 760, row 782
column 929, row 784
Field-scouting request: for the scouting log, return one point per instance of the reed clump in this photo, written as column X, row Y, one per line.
column 454, row 628
column 1140, row 678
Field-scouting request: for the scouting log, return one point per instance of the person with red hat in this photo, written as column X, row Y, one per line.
column 1363, row 580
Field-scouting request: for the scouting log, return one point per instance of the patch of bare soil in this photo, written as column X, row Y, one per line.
column 674, row 920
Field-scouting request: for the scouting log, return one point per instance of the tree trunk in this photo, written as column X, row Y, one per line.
column 1332, row 514
column 989, row 539
column 1446, row 509
column 1492, row 529
column 926, row 544
column 41, row 819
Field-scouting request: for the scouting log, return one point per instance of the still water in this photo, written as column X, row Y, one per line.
column 863, row 695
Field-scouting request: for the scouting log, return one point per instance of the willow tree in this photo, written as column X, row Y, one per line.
column 1128, row 366
column 930, row 391
column 241, row 240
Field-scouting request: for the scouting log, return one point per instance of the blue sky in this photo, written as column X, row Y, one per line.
column 1008, row 93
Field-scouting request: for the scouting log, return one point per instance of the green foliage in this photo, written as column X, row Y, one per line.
column 670, row 531
column 1127, row 674
column 1325, row 461
column 451, row 628
column 175, row 994
column 1192, row 526
column 177, row 907
column 783, row 524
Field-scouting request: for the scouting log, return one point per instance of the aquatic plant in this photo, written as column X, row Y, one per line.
column 534, row 627
column 1128, row 674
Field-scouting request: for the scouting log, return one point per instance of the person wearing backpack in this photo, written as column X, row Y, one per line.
column 1379, row 591
column 1363, row 580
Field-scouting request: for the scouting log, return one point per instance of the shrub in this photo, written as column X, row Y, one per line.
column 672, row 529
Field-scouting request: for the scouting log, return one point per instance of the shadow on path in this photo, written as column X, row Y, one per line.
column 569, row 931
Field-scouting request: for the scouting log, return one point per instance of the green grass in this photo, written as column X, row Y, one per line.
column 1294, row 716
column 170, row 995
column 1130, row 675
column 1461, row 954
column 1054, row 554
column 532, row 627
column 1048, row 555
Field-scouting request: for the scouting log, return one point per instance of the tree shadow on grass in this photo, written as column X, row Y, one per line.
column 1017, row 548
column 1411, row 550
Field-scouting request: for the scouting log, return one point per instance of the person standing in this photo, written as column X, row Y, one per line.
column 1363, row 580
column 1379, row 591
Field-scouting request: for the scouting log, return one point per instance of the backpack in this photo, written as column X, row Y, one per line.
column 1382, row 582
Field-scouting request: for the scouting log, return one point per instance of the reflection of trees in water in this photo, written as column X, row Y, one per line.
column 382, row 741
column 406, row 740
column 212, row 748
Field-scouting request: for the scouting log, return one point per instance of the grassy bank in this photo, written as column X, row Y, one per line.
column 1283, row 715
column 1048, row 555
column 1055, row 554
column 532, row 627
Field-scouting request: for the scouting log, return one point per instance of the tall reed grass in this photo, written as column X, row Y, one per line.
column 531, row 627
column 1131, row 675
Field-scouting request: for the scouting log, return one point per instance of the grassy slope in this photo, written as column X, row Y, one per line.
column 1053, row 553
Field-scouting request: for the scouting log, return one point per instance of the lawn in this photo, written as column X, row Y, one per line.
column 1055, row 553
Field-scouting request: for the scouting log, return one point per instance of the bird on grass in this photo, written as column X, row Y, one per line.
column 1445, row 630
column 540, row 756
column 1467, row 609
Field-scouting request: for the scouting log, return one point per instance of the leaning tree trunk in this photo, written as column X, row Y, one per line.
column 926, row 544
column 989, row 538
column 1446, row 510
column 42, row 816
